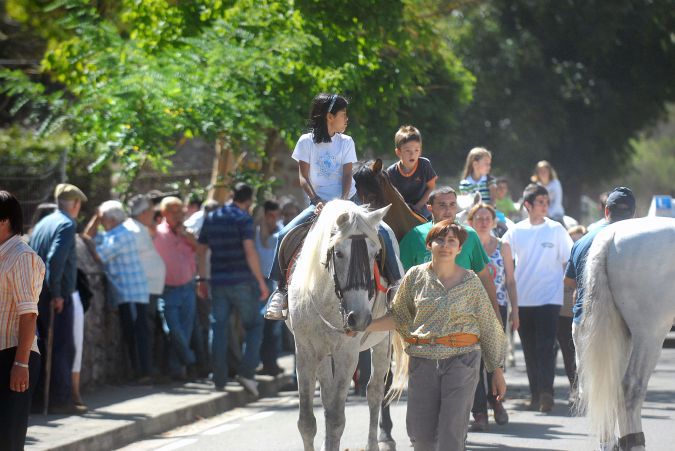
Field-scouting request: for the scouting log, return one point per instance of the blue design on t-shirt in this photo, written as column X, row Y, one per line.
column 328, row 164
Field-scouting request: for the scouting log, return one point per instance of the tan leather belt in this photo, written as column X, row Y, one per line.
column 452, row 340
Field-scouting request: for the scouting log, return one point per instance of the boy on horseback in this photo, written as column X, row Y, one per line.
column 412, row 175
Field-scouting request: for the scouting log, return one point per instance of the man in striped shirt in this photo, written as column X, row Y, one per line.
column 236, row 282
column 21, row 275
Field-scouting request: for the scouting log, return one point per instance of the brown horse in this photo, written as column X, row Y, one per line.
column 374, row 188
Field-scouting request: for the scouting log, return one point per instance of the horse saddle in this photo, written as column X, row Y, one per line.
column 290, row 247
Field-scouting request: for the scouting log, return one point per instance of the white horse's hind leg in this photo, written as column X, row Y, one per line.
column 306, row 369
column 644, row 356
column 380, row 358
column 334, row 388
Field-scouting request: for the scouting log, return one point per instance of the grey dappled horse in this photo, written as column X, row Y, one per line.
column 629, row 307
column 332, row 291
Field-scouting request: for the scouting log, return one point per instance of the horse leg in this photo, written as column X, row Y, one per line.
column 334, row 379
column 306, row 373
column 385, row 419
column 643, row 358
column 380, row 359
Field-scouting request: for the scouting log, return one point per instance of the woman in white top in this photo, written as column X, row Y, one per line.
column 483, row 218
column 545, row 175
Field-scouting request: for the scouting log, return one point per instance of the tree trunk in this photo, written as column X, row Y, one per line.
column 223, row 165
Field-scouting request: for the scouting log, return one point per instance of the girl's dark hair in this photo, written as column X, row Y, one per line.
column 321, row 106
column 11, row 209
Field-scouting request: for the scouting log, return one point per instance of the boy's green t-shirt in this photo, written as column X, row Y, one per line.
column 414, row 250
column 505, row 205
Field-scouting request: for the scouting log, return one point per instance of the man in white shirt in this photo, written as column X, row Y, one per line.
column 142, row 212
column 540, row 247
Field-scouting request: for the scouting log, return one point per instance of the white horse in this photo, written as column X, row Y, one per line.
column 629, row 307
column 333, row 290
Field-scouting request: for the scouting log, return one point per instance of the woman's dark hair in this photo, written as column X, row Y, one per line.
column 10, row 209
column 321, row 106
column 443, row 228
column 42, row 210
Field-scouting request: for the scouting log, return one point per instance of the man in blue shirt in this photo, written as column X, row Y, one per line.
column 53, row 239
column 236, row 281
column 620, row 205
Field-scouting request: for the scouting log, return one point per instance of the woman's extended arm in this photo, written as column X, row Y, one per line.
column 511, row 284
column 382, row 324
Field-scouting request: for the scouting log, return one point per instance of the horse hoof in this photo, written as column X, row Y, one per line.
column 388, row 445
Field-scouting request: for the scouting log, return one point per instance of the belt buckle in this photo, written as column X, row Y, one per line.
column 417, row 341
column 452, row 341
column 432, row 340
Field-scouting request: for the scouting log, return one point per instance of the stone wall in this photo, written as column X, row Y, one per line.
column 104, row 359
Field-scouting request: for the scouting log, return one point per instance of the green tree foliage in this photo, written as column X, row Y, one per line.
column 140, row 76
column 569, row 81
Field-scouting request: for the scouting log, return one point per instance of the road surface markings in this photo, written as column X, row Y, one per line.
column 178, row 444
column 259, row 416
column 220, row 429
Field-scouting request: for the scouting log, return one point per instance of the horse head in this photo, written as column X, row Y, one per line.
column 367, row 180
column 351, row 259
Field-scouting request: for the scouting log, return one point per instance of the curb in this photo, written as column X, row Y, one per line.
column 117, row 437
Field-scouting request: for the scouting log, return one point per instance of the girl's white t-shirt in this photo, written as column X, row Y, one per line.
column 555, row 198
column 540, row 252
column 325, row 163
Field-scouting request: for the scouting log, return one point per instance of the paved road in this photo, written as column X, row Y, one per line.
column 270, row 424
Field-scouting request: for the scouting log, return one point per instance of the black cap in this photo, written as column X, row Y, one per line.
column 621, row 199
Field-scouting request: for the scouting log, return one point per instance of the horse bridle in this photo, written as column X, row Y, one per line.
column 330, row 258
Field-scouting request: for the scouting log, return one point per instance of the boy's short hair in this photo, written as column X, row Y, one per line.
column 532, row 191
column 242, row 192
column 406, row 134
column 270, row 205
column 439, row 192
column 441, row 230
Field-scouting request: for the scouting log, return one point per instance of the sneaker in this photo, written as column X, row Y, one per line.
column 480, row 422
column 270, row 371
column 500, row 414
column 546, row 402
column 250, row 385
column 276, row 305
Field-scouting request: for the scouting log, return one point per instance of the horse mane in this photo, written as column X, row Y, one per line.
column 330, row 228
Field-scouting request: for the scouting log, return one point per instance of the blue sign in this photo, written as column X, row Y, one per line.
column 663, row 202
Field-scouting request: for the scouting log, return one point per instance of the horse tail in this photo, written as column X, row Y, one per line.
column 603, row 345
column 400, row 369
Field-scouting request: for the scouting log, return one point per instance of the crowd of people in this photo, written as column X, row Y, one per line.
column 176, row 271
